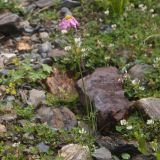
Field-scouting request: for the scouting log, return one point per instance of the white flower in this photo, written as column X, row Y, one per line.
column 114, row 26
column 64, row 31
column 82, row 131
column 111, row 45
column 15, row 144
column 100, row 20
column 78, row 41
column 150, row 121
column 106, row 12
column 130, row 127
column 83, row 49
column 106, row 58
column 132, row 5
column 151, row 10
column 141, row 5
column 67, row 48
column 123, row 122
column 154, row 15
column 135, row 81
column 142, row 88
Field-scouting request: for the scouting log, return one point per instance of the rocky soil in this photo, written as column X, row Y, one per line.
column 42, row 104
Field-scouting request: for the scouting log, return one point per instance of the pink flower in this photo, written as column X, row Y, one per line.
column 68, row 22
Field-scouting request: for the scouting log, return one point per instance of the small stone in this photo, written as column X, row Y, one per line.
column 44, row 3
column 70, row 4
column 4, row 72
column 45, row 47
column 8, row 56
column 57, row 53
column 1, row 62
column 44, row 36
column 28, row 136
column 23, row 46
column 8, row 117
column 102, row 154
column 144, row 157
column 47, row 61
column 36, row 97
column 43, row 147
column 34, row 38
column 74, row 152
column 10, row 98
column 2, row 128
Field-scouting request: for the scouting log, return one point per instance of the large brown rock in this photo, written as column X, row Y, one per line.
column 57, row 117
column 74, row 152
column 150, row 106
column 104, row 89
column 9, row 23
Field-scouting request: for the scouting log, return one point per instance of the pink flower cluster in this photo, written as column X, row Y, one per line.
column 68, row 22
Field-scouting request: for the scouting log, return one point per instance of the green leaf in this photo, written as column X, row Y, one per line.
column 59, row 158
column 47, row 68
column 125, row 156
column 158, row 155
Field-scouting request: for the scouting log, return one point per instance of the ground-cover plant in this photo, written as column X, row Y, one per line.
column 119, row 6
column 9, row 5
column 24, row 72
column 55, row 100
column 149, row 87
column 146, row 133
column 47, row 16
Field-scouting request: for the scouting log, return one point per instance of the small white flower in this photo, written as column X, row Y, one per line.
column 82, row 131
column 151, row 10
column 135, row 81
column 78, row 41
column 67, row 48
column 123, row 122
column 114, row 26
column 141, row 5
column 100, row 20
column 142, row 88
column 106, row 12
column 150, row 121
column 130, row 127
column 154, row 15
column 106, row 58
column 83, row 49
column 111, row 45
column 132, row 5
column 15, row 144
column 64, row 31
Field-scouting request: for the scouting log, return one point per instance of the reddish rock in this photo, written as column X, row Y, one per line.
column 61, row 85
column 2, row 128
column 104, row 89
